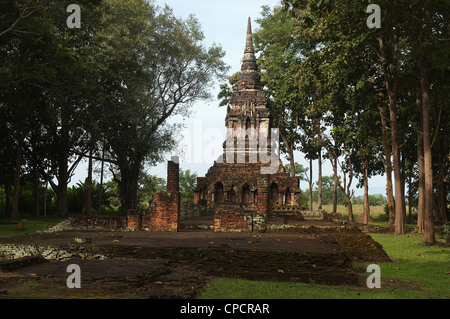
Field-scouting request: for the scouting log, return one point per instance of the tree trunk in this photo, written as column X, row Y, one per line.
column 1, row 200
column 8, row 199
column 319, row 182
column 403, row 183
column 387, row 167
column 319, row 161
column 61, row 194
column 409, row 199
column 292, row 162
column 61, row 189
column 61, row 200
column 89, row 187
column 428, row 168
column 290, row 151
column 15, row 206
column 441, row 212
column 335, row 188
column 349, row 209
column 348, row 193
column 99, row 204
column 397, row 174
column 128, row 187
column 36, row 203
column 346, row 188
column 310, row 186
column 391, row 83
column 420, row 164
column 366, row 194
column 128, row 194
column 45, row 200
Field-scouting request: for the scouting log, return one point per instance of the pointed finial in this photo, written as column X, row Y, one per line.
column 249, row 41
column 249, row 86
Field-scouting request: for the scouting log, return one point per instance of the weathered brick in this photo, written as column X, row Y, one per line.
column 231, row 217
column 163, row 213
column 236, row 178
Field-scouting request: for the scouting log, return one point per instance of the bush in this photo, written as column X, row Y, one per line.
column 76, row 198
column 381, row 217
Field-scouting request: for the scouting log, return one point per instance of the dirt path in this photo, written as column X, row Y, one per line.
column 167, row 265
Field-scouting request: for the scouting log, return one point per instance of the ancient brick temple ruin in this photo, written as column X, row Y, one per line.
column 163, row 212
column 247, row 188
column 247, row 185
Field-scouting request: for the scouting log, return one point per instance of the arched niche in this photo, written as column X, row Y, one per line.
column 218, row 193
column 287, row 196
column 246, row 194
column 274, row 193
column 232, row 195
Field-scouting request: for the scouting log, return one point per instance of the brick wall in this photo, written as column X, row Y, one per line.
column 173, row 175
column 98, row 223
column 263, row 204
column 230, row 217
column 134, row 220
column 163, row 214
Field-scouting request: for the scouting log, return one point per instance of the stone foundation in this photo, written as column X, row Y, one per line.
column 232, row 218
column 97, row 223
column 314, row 215
column 163, row 213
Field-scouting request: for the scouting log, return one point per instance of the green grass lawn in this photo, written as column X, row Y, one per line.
column 8, row 226
column 417, row 271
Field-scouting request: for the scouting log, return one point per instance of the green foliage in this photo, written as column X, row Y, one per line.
column 163, row 68
column 381, row 217
column 8, row 226
column 279, row 59
column 26, row 200
column 374, row 200
column 110, row 85
column 327, row 192
column 149, row 185
column 76, row 197
column 303, row 198
column 188, row 181
column 226, row 89
column 299, row 170
column 320, row 57
column 446, row 231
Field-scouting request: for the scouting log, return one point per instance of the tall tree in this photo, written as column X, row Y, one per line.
column 36, row 57
column 188, row 181
column 279, row 61
column 157, row 71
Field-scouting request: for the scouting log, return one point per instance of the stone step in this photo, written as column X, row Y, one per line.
column 14, row 264
column 330, row 269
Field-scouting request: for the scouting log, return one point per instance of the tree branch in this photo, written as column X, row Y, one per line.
column 23, row 14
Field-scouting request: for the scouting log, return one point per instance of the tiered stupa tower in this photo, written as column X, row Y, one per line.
column 234, row 189
column 248, row 117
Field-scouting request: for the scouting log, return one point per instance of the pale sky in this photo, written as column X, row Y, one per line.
column 224, row 23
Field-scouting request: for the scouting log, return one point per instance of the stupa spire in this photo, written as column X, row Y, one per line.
column 249, row 78
column 248, row 94
column 249, row 40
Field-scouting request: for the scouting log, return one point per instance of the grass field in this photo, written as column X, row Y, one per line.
column 8, row 226
column 417, row 272
column 375, row 211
